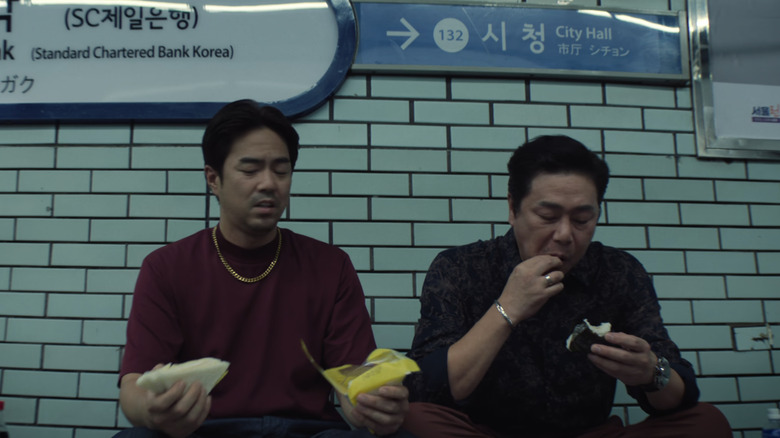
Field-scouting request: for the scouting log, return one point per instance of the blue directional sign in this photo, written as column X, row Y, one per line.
column 519, row 39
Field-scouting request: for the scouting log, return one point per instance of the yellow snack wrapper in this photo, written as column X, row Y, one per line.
column 382, row 367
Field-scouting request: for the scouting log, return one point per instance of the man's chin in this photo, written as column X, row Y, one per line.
column 263, row 225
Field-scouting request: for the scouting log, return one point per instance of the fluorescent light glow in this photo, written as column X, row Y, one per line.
column 645, row 23
column 595, row 12
column 132, row 3
column 266, row 8
column 631, row 19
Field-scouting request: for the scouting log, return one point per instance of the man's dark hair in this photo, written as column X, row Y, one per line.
column 553, row 154
column 237, row 119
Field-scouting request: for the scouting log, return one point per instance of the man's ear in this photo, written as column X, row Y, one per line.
column 212, row 179
column 511, row 210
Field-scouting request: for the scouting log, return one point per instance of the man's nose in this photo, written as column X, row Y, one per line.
column 266, row 181
column 563, row 231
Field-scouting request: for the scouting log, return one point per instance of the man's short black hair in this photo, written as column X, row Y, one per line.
column 553, row 154
column 237, row 119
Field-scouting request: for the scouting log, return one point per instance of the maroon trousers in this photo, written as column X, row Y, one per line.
column 428, row 420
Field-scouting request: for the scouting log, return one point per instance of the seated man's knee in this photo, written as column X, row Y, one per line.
column 711, row 415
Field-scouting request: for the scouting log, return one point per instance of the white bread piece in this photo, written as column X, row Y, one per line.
column 208, row 371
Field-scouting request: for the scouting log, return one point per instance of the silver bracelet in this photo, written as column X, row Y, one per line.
column 503, row 313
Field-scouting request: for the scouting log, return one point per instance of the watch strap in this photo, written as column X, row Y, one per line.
column 661, row 375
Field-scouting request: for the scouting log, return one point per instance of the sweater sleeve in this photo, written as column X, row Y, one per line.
column 349, row 338
column 153, row 333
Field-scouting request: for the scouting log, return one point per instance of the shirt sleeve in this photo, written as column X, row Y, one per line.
column 153, row 334
column 644, row 320
column 442, row 323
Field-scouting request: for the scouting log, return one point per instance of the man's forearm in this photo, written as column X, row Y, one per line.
column 469, row 359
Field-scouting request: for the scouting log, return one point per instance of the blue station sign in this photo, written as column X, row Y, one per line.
column 151, row 60
column 514, row 39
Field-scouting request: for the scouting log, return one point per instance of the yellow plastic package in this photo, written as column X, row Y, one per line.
column 382, row 367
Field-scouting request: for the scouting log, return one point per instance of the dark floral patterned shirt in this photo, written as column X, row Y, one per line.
column 535, row 385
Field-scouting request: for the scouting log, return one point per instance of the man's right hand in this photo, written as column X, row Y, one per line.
column 527, row 289
column 178, row 412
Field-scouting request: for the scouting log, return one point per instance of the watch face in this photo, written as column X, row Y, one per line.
column 662, row 372
column 661, row 376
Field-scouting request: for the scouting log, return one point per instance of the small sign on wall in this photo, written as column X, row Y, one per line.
column 521, row 40
column 736, row 86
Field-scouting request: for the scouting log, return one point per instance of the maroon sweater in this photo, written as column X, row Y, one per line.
column 187, row 306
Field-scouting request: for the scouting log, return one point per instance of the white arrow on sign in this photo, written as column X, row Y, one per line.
column 411, row 33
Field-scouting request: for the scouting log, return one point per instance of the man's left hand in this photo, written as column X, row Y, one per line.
column 631, row 361
column 381, row 411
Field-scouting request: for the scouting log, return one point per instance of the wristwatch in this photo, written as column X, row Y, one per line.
column 661, row 376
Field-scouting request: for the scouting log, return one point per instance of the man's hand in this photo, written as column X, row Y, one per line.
column 177, row 412
column 528, row 289
column 632, row 362
column 381, row 411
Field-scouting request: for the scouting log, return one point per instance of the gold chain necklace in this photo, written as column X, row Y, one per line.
column 235, row 274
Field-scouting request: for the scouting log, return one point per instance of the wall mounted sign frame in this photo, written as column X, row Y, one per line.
column 156, row 60
column 169, row 60
column 735, row 55
column 520, row 40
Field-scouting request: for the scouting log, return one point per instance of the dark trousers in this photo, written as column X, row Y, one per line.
column 427, row 420
column 264, row 427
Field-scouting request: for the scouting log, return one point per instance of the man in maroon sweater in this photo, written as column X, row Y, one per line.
column 247, row 291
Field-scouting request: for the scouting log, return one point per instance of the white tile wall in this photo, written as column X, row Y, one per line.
column 393, row 169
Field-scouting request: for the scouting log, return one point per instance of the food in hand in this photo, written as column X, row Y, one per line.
column 208, row 371
column 382, row 367
column 584, row 335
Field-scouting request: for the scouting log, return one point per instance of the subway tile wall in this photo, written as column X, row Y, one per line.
column 393, row 169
